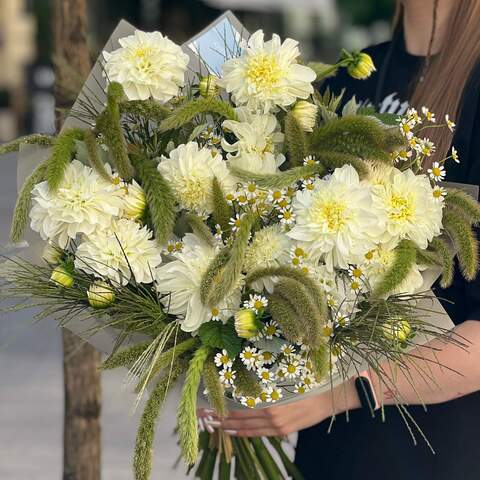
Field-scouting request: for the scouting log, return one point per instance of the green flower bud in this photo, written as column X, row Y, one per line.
column 360, row 65
column 134, row 202
column 306, row 114
column 52, row 254
column 398, row 330
column 63, row 277
column 208, row 86
column 100, row 294
column 246, row 323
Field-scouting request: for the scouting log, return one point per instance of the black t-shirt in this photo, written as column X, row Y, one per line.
column 366, row 448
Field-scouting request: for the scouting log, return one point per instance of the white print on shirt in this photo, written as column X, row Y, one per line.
column 390, row 104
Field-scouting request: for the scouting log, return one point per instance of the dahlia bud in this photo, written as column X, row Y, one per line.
column 306, row 114
column 399, row 330
column 100, row 294
column 134, row 202
column 208, row 86
column 52, row 254
column 62, row 277
column 359, row 65
column 246, row 323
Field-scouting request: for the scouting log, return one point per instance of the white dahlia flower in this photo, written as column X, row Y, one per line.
column 83, row 203
column 119, row 252
column 337, row 220
column 190, row 170
column 147, row 64
column 270, row 247
column 180, row 280
column 410, row 208
column 258, row 144
column 383, row 257
column 267, row 74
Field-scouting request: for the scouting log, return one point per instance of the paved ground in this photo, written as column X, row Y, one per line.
column 31, row 396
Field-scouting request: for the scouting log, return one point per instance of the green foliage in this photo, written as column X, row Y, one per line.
column 227, row 277
column 149, row 109
column 160, row 199
column 222, row 212
column 166, row 360
column 268, row 464
column 209, row 277
column 332, row 160
column 62, row 154
column 93, row 157
column 24, row 202
column 278, row 180
column 246, row 383
column 187, row 408
column 306, row 325
column 295, row 140
column 465, row 241
column 405, row 258
column 125, row 357
column 108, row 123
column 290, row 467
column 328, row 104
column 200, row 228
column 445, row 255
column 323, row 70
column 221, row 335
column 189, row 110
column 35, row 139
column 142, row 462
column 320, row 358
column 211, row 379
column 463, row 204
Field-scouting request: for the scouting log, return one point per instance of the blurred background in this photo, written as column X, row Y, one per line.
column 31, row 384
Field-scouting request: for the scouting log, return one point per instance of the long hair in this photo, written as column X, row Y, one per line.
column 448, row 71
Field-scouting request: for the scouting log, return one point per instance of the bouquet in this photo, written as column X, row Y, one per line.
column 236, row 228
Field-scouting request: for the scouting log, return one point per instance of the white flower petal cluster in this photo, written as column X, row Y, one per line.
column 267, row 74
column 410, row 208
column 180, row 280
column 270, row 247
column 118, row 252
column 337, row 220
column 83, row 203
column 190, row 170
column 147, row 65
column 258, row 142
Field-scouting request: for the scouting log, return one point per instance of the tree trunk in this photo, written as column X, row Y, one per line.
column 82, row 448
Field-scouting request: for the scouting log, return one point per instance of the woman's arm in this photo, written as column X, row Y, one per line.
column 460, row 378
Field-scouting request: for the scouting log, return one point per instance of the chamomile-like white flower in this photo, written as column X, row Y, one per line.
column 249, row 357
column 190, row 171
column 271, row 330
column 410, row 209
column 265, row 357
column 300, row 388
column 227, row 376
column 274, row 394
column 265, row 375
column 269, row 248
column 256, row 302
column 429, row 116
column 439, row 193
column 406, row 127
column 290, row 368
column 338, row 220
column 222, row 359
column 258, row 145
column 147, row 65
column 250, row 402
column 437, row 172
column 451, row 125
column 267, row 74
column 455, row 157
column 83, row 203
column 287, row 215
column 427, row 147
column 119, row 252
column 180, row 281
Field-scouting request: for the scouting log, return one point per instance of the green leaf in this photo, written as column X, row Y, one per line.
column 219, row 335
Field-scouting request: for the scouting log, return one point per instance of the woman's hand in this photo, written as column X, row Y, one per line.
column 278, row 420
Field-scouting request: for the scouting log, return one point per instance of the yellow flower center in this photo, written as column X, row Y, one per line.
column 356, row 272
column 215, row 312
column 271, row 330
column 287, row 215
column 296, row 261
column 250, row 402
column 369, row 255
column 331, row 213
column 276, row 195
column 263, row 396
column 436, row 171
column 224, row 359
column 247, row 355
column 265, row 375
column 355, row 285
column 437, row 193
column 291, row 368
column 267, row 356
column 229, row 197
column 275, row 396
column 301, row 389
column 258, row 304
column 401, row 208
column 327, row 331
column 143, row 55
column 299, row 252
column 263, row 71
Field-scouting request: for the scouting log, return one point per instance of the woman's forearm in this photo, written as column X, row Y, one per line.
column 447, row 372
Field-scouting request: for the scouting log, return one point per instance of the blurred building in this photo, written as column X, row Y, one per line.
column 17, row 51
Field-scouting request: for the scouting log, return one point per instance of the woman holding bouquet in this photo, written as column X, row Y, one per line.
column 433, row 60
